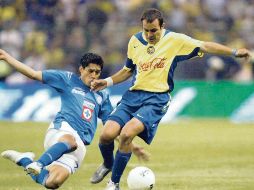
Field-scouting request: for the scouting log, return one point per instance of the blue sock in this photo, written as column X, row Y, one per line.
column 107, row 152
column 24, row 162
column 54, row 152
column 42, row 177
column 121, row 160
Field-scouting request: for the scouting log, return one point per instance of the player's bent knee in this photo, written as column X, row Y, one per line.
column 55, row 183
column 110, row 132
column 70, row 140
column 52, row 186
column 57, row 176
column 106, row 138
column 125, row 139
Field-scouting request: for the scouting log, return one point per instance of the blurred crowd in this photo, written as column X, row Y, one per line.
column 53, row 34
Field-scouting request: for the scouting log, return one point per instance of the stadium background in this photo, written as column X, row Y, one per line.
column 204, row 150
column 56, row 33
column 51, row 34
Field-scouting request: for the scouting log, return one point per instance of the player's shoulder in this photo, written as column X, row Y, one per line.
column 137, row 35
column 69, row 76
column 62, row 73
column 137, row 38
column 179, row 36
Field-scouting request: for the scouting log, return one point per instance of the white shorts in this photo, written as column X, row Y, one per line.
column 71, row 161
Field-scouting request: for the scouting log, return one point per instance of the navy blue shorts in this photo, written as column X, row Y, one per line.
column 148, row 107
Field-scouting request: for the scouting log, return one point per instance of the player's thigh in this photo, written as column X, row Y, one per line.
column 64, row 133
column 132, row 128
column 52, row 136
column 110, row 131
column 73, row 160
column 57, row 176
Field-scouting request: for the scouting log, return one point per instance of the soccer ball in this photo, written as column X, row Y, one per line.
column 141, row 178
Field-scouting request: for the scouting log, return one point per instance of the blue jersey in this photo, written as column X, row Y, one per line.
column 80, row 107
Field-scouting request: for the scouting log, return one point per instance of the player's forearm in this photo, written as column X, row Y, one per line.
column 20, row 67
column 121, row 76
column 215, row 48
column 27, row 71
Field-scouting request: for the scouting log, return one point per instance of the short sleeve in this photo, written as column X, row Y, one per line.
column 56, row 79
column 189, row 45
column 129, row 65
column 130, row 49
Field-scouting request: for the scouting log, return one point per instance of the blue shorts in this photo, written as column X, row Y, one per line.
column 148, row 107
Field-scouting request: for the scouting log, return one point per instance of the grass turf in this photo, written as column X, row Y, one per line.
column 187, row 155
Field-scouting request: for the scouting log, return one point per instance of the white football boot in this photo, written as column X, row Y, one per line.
column 16, row 156
column 112, row 186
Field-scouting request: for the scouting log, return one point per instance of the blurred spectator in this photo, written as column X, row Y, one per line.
column 11, row 38
column 221, row 67
column 34, row 60
column 54, row 56
column 57, row 32
column 245, row 74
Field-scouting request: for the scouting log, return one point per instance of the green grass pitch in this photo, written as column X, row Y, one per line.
column 187, row 155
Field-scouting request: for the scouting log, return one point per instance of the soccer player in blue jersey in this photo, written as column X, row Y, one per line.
column 152, row 57
column 74, row 125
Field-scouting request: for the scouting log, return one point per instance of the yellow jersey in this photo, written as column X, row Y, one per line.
column 154, row 65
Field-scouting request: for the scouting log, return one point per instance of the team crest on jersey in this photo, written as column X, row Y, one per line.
column 88, row 108
column 150, row 50
column 87, row 113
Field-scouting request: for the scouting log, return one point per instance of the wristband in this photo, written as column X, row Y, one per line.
column 234, row 52
column 109, row 81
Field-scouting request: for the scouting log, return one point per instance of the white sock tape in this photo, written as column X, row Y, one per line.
column 109, row 81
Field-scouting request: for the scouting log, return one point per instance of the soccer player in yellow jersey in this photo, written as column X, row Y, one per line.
column 152, row 57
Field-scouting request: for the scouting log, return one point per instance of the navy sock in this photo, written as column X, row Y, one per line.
column 24, row 162
column 54, row 152
column 42, row 177
column 107, row 152
column 121, row 160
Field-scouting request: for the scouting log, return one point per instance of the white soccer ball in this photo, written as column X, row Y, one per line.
column 141, row 178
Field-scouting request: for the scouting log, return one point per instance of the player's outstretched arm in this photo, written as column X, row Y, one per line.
column 22, row 68
column 119, row 77
column 216, row 48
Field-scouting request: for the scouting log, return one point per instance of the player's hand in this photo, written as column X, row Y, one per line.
column 4, row 55
column 243, row 53
column 99, row 84
column 141, row 153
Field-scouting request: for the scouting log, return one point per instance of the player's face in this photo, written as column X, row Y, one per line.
column 89, row 73
column 152, row 31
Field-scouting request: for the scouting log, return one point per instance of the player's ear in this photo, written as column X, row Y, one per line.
column 80, row 69
column 163, row 25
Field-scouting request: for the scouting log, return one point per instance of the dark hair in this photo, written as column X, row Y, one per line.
column 88, row 58
column 152, row 14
